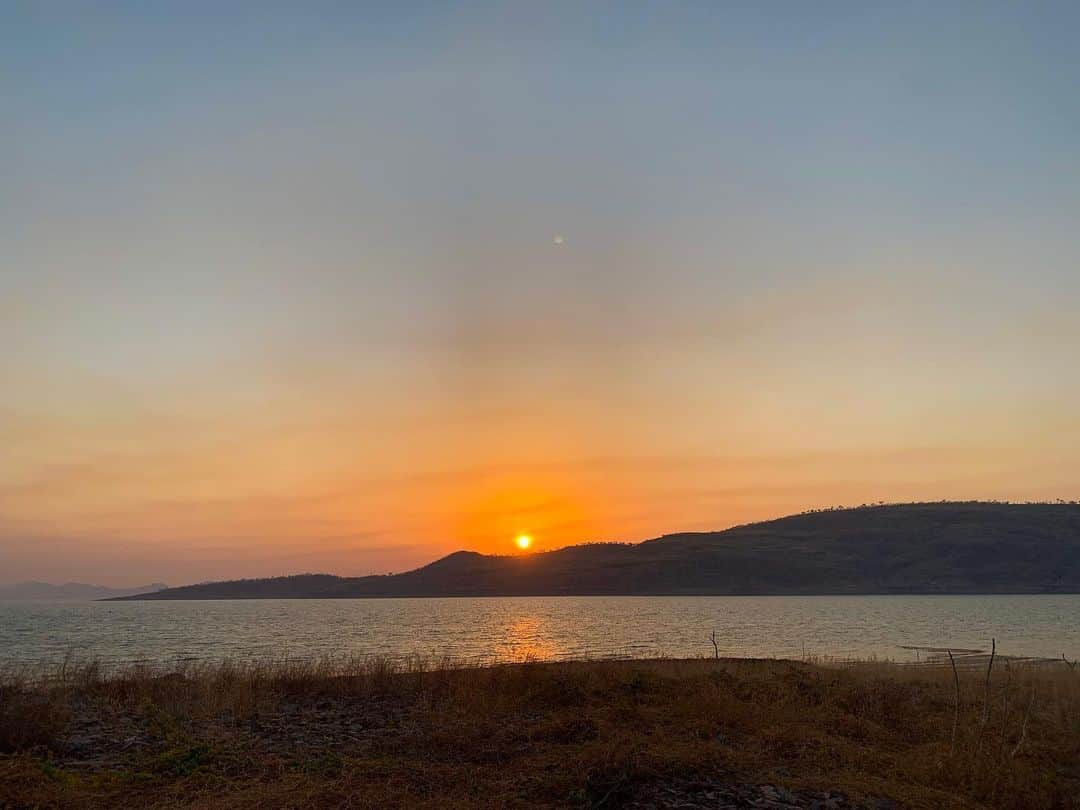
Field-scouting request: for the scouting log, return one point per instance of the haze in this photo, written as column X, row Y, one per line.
column 345, row 291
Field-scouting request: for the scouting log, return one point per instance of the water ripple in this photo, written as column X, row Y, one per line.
column 515, row 629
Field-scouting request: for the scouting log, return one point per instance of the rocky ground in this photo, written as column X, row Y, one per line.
column 719, row 795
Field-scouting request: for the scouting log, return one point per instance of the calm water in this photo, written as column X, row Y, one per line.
column 512, row 629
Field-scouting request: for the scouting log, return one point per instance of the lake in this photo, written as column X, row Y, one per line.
column 518, row 628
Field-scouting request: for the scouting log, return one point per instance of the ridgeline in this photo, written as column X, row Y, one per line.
column 920, row 548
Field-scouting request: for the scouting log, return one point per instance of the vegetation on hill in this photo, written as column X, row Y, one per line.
column 975, row 547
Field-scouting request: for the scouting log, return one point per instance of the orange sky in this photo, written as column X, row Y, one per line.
column 123, row 489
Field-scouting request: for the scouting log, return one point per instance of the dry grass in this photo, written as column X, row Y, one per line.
column 367, row 733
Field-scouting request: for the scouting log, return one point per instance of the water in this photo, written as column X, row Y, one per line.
column 514, row 629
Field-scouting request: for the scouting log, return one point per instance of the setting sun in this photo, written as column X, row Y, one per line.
column 523, row 541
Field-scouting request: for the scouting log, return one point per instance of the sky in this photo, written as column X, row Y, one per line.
column 345, row 287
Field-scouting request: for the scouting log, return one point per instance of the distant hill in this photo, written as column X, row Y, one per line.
column 70, row 591
column 898, row 548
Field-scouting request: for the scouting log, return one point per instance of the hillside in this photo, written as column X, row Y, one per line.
column 904, row 548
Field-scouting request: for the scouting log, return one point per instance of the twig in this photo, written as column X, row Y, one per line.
column 1023, row 726
column 716, row 648
column 989, row 669
column 956, row 713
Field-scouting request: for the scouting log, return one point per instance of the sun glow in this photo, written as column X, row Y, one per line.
column 523, row 541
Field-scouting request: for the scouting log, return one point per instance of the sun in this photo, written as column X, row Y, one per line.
column 523, row 541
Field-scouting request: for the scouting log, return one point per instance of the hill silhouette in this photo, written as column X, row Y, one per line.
column 69, row 591
column 918, row 548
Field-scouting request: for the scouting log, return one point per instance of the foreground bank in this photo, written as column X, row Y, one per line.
column 662, row 733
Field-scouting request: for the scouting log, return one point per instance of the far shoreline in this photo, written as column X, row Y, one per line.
column 150, row 598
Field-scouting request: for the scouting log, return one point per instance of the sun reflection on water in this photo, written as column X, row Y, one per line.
column 526, row 640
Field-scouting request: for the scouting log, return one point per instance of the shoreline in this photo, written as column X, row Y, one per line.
column 149, row 597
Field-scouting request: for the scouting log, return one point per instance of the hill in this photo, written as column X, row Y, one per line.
column 69, row 591
column 898, row 548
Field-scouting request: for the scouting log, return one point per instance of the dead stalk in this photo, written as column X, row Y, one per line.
column 986, row 697
column 1023, row 725
column 715, row 646
column 956, row 713
column 1005, row 705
